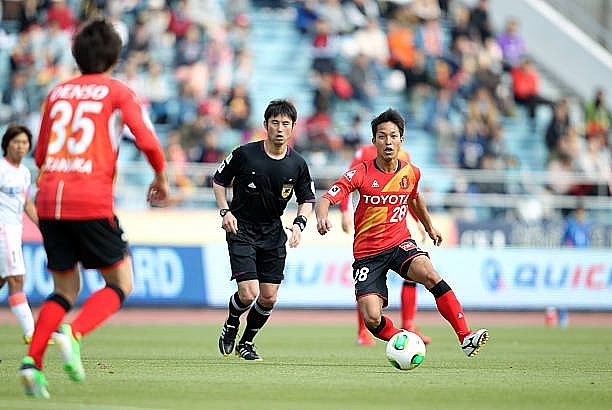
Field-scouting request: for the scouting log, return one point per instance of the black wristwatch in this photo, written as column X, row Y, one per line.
column 223, row 211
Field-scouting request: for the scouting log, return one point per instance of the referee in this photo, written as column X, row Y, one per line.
column 264, row 175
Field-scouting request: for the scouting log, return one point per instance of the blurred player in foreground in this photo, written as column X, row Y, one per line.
column 76, row 155
column 408, row 306
column 15, row 181
column 388, row 187
column 264, row 175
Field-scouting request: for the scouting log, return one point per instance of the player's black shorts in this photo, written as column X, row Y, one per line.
column 97, row 243
column 370, row 273
column 258, row 252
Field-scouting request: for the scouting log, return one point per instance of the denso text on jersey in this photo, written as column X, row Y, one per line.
column 79, row 92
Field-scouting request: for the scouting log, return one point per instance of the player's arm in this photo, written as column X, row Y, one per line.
column 346, row 210
column 345, row 205
column 229, row 223
column 221, row 181
column 324, row 225
column 30, row 210
column 418, row 224
column 305, row 196
column 159, row 190
column 146, row 140
column 141, row 127
column 334, row 194
column 338, row 192
column 40, row 149
column 417, row 205
column 299, row 223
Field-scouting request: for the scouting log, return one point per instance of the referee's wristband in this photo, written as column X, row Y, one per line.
column 300, row 221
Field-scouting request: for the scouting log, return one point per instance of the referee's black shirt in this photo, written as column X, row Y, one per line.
column 262, row 186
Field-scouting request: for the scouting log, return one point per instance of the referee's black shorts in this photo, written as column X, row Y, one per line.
column 258, row 251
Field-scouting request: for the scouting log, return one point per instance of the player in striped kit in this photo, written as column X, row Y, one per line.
column 408, row 305
column 388, row 190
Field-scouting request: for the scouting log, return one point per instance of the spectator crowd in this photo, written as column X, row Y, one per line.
column 463, row 83
column 191, row 62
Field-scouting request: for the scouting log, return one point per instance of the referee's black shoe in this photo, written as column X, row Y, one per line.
column 227, row 340
column 247, row 351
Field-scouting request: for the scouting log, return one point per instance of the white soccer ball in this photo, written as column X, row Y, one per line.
column 406, row 350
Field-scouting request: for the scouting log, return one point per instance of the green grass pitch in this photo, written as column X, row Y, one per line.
column 132, row 367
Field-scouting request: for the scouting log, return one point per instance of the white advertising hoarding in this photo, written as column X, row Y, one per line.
column 321, row 277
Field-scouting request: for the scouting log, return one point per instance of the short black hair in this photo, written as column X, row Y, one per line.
column 280, row 107
column 11, row 132
column 389, row 115
column 96, row 46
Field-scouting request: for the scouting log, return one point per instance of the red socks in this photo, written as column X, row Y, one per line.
column 409, row 306
column 450, row 308
column 49, row 318
column 98, row 307
column 362, row 327
column 388, row 329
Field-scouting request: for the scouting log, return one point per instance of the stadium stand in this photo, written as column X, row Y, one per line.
column 260, row 45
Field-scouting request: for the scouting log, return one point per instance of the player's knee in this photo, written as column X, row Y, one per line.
column 121, row 292
column 430, row 278
column 15, row 284
column 267, row 301
column 58, row 298
column 247, row 296
column 127, row 289
column 373, row 324
column 371, row 321
column 424, row 274
column 68, row 294
column 120, row 278
column 123, row 288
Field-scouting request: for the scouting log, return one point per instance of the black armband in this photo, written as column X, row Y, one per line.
column 300, row 221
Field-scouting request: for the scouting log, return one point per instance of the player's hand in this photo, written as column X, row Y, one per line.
column 324, row 225
column 295, row 235
column 321, row 211
column 159, row 191
column 435, row 236
column 229, row 223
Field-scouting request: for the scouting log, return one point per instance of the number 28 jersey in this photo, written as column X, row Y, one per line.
column 380, row 216
column 78, row 146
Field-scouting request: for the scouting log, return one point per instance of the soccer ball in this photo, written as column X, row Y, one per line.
column 405, row 350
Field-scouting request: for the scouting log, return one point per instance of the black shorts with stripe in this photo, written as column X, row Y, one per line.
column 370, row 273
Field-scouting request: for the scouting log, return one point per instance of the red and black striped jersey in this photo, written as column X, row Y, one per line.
column 380, row 216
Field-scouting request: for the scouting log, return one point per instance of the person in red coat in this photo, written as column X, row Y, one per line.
column 526, row 87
